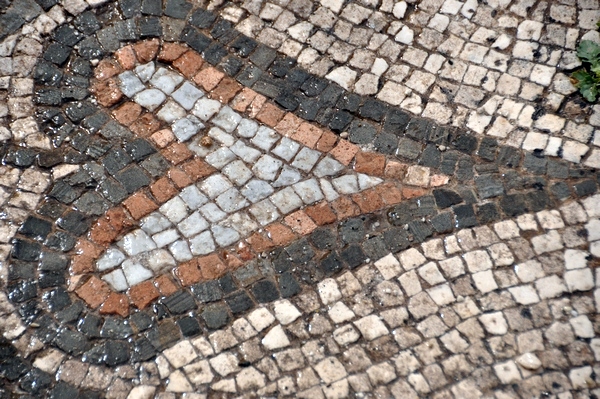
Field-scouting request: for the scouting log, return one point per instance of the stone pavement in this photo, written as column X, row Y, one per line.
column 328, row 199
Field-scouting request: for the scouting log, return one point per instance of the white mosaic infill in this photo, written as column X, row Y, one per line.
column 261, row 177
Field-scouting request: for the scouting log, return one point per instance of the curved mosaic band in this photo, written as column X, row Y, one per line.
column 300, row 146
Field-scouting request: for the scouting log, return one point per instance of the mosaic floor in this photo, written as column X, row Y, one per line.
column 312, row 199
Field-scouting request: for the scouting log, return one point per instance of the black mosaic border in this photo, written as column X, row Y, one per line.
column 368, row 122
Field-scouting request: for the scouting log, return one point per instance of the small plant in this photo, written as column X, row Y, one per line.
column 587, row 79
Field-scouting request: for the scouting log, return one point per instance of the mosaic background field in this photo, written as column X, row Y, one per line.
column 446, row 246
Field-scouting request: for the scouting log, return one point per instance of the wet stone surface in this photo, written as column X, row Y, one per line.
column 254, row 199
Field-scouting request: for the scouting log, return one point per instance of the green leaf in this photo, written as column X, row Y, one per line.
column 579, row 76
column 590, row 93
column 587, row 85
column 598, row 24
column 588, row 51
column 596, row 69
